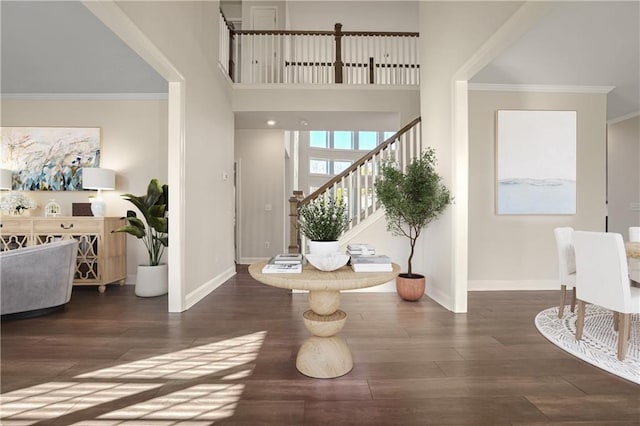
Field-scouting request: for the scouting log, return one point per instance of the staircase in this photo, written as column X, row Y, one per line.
column 355, row 185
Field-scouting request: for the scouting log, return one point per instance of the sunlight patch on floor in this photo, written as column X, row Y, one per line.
column 55, row 399
column 189, row 363
column 195, row 405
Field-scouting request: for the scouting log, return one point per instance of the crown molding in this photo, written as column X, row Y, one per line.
column 84, row 96
column 541, row 88
column 623, row 117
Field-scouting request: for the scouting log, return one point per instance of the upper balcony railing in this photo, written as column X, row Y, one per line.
column 319, row 57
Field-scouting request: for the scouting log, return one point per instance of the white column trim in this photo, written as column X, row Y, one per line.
column 117, row 21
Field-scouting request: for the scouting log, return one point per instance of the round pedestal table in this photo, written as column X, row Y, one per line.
column 325, row 355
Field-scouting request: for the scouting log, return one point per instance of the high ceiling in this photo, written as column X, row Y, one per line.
column 60, row 47
column 579, row 43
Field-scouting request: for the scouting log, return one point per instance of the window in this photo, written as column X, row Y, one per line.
column 318, row 167
column 346, row 140
column 318, row 139
column 367, row 140
column 339, row 166
column 342, row 140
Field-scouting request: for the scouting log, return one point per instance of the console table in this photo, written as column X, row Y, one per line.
column 102, row 255
column 324, row 355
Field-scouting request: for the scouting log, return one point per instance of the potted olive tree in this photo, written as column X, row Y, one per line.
column 322, row 221
column 151, row 279
column 411, row 201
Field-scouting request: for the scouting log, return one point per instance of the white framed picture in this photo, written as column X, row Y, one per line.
column 536, row 162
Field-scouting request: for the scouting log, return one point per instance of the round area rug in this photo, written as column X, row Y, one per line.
column 599, row 344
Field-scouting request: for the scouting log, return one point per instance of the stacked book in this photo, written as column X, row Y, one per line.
column 285, row 263
column 379, row 263
column 360, row 249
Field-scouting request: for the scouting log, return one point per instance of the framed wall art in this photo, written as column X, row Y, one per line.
column 535, row 162
column 49, row 158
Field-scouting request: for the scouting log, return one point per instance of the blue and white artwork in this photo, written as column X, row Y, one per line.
column 49, row 158
column 536, row 162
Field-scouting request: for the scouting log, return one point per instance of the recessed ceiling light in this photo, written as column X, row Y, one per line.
column 271, row 122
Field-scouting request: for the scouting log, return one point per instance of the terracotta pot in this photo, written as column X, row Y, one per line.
column 410, row 289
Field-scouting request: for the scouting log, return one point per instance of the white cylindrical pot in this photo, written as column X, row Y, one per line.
column 634, row 234
column 323, row 247
column 152, row 280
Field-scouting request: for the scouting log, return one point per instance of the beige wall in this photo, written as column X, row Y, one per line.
column 623, row 184
column 134, row 144
column 260, row 159
column 186, row 33
column 518, row 252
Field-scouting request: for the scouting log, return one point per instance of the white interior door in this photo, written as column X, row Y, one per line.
column 264, row 59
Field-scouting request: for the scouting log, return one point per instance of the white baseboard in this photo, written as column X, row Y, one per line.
column 505, row 285
column 205, row 289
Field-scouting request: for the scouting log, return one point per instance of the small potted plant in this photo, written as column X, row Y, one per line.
column 151, row 279
column 411, row 201
column 322, row 221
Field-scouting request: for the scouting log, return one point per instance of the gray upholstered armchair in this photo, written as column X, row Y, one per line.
column 38, row 278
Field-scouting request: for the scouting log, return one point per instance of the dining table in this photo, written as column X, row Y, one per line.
column 633, row 255
column 633, row 249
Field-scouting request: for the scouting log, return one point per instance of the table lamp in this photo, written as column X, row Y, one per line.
column 97, row 178
column 5, row 179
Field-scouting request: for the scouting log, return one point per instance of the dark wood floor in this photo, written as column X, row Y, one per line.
column 114, row 358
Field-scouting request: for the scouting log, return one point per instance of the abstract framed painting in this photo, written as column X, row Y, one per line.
column 49, row 158
column 536, row 162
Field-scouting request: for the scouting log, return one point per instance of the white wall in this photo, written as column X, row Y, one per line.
column 260, row 158
column 450, row 33
column 134, row 144
column 518, row 252
column 403, row 100
column 624, row 174
column 401, row 16
column 186, row 33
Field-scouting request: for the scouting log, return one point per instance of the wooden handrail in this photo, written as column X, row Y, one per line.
column 325, row 33
column 283, row 32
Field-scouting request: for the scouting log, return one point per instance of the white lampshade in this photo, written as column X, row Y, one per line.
column 97, row 178
column 5, row 179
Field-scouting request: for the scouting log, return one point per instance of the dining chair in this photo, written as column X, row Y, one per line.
column 566, row 266
column 603, row 280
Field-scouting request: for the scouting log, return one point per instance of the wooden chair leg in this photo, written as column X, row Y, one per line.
column 580, row 320
column 573, row 300
column 616, row 321
column 563, row 296
column 623, row 332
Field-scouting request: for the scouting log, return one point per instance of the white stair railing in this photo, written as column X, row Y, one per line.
column 319, row 57
column 356, row 185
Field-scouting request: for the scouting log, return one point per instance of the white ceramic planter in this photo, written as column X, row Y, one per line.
column 323, row 247
column 152, row 280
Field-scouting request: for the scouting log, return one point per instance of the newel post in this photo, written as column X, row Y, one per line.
column 294, row 235
column 338, row 63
